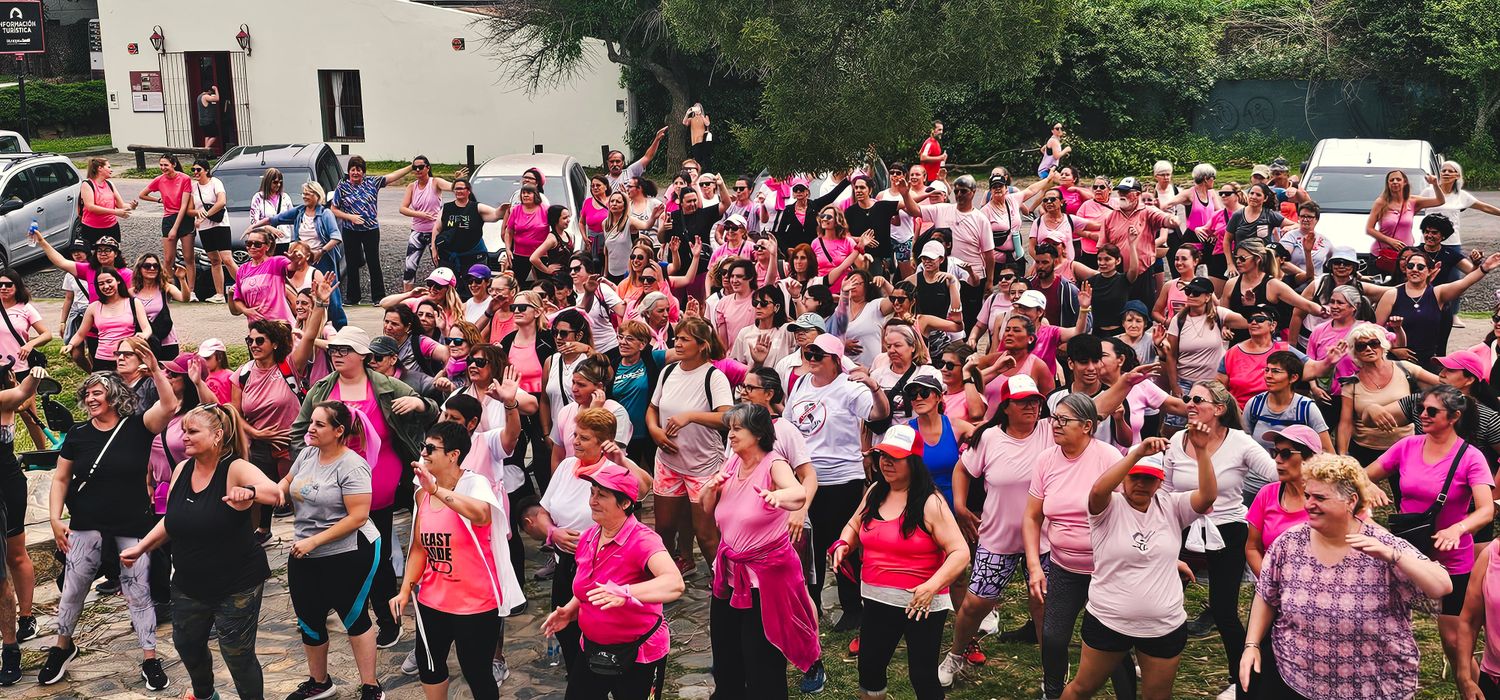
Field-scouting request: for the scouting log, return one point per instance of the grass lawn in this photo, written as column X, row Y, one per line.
column 71, row 145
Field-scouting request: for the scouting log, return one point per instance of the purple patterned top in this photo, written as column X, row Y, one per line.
column 1341, row 632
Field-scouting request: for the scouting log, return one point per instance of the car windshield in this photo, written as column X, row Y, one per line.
column 1353, row 190
column 10, row 144
column 499, row 190
column 241, row 185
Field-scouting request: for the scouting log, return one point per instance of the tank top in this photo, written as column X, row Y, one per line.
column 104, row 196
column 113, row 329
column 1490, row 662
column 1396, row 224
column 155, row 305
column 745, row 520
column 1422, row 320
column 940, row 457
column 1071, row 200
column 1241, row 301
column 214, row 552
column 522, row 356
column 933, row 299
column 1201, row 213
column 1110, row 295
column 385, row 469
column 559, row 254
column 427, row 201
column 895, row 561
column 463, row 229
column 460, row 576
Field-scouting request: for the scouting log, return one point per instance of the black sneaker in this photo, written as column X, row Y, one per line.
column 389, row 634
column 156, row 679
column 1202, row 626
column 109, row 586
column 283, row 510
column 262, row 537
column 1025, row 634
column 848, row 622
column 313, row 690
column 56, row 665
column 25, row 628
column 371, row 692
column 10, row 665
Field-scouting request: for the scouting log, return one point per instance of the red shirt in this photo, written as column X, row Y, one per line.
column 931, row 147
column 1135, row 235
column 171, row 191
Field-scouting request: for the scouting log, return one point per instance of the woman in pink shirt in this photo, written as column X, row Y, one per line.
column 155, row 288
column 525, row 229
column 761, row 615
column 733, row 312
column 1394, row 212
column 115, row 316
column 268, row 396
column 1480, row 604
column 834, row 249
column 451, row 563
column 260, row 285
column 624, row 576
column 911, row 550
column 1057, row 499
column 1280, row 504
column 102, row 206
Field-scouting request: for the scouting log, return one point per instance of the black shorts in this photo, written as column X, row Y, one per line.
column 4, row 553
column 92, row 235
column 170, row 219
column 14, row 503
column 214, row 239
column 1453, row 603
column 1217, row 266
column 1099, row 636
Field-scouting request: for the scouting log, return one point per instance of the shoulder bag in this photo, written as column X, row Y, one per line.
column 35, row 358
column 1419, row 528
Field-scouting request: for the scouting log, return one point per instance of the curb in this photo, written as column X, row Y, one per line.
column 100, row 151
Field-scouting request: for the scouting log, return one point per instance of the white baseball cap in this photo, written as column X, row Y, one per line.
column 1033, row 299
column 933, row 250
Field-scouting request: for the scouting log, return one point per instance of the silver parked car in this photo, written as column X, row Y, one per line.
column 242, row 167
column 496, row 181
column 35, row 186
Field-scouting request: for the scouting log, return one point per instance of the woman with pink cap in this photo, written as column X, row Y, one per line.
column 625, row 575
column 1135, row 598
column 911, row 550
column 1280, row 504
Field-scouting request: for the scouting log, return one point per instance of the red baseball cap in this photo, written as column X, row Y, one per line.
column 900, row 442
column 1019, row 386
column 1150, row 466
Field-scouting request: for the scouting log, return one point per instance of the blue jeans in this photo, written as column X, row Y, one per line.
column 336, row 314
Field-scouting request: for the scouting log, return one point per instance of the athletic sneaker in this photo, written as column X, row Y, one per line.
column 501, row 670
column 952, row 667
column 109, row 586
column 1025, row 634
column 409, row 664
column 10, row 665
column 544, row 573
column 990, row 624
column 25, row 628
column 814, row 680
column 56, row 665
column 1202, row 626
column 973, row 655
column 313, row 690
column 215, row 299
column 371, row 692
column 283, row 510
column 1228, row 694
column 191, row 696
column 156, row 679
column 388, row 635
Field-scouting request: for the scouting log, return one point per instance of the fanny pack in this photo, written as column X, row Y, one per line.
column 613, row 659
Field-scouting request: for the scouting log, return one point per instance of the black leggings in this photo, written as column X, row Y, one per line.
column 474, row 636
column 562, row 593
column 337, row 582
column 363, row 248
column 383, row 588
column 1268, row 685
column 829, row 513
column 636, row 683
column 882, row 628
column 1226, row 571
column 1488, row 686
column 746, row 664
column 1067, row 593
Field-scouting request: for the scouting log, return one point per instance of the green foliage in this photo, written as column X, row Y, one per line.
column 1133, row 156
column 81, row 108
column 71, row 145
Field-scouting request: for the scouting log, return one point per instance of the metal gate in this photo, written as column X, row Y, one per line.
column 176, row 100
column 241, row 98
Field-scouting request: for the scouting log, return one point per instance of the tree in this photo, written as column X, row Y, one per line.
column 1469, row 34
column 840, row 76
column 544, row 43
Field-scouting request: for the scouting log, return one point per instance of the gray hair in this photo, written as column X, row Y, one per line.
column 1081, row 406
column 119, row 397
column 1203, row 171
column 1162, row 165
column 1350, row 294
column 650, row 300
column 754, row 418
column 1459, row 183
column 965, row 181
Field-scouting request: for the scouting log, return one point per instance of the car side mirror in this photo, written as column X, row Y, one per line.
column 1304, row 166
column 11, row 205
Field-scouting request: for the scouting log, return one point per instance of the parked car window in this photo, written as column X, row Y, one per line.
column 10, row 144
column 19, row 187
column 51, row 177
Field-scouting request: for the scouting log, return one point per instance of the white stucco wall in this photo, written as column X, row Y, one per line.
column 419, row 94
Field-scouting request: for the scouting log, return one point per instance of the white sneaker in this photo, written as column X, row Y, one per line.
column 1228, row 693
column 990, row 624
column 952, row 667
column 409, row 664
column 501, row 670
column 216, row 299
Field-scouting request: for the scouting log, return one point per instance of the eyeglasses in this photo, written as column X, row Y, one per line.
column 429, row 448
column 813, row 355
column 1431, row 411
column 255, row 244
column 919, row 392
column 1065, row 421
column 339, row 350
column 519, row 308
column 762, row 303
column 1227, row 193
column 127, row 353
column 1364, row 345
column 899, row 299
column 254, row 340
column 751, row 387
column 1284, row 453
column 479, row 361
column 454, row 342
column 947, row 365
column 1416, row 266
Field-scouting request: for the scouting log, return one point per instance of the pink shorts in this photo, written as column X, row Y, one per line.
column 670, row 483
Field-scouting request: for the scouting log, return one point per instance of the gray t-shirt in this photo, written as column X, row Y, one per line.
column 318, row 492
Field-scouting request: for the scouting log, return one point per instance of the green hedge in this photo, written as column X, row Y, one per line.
column 75, row 108
column 1124, row 157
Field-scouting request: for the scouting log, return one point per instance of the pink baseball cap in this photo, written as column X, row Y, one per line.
column 1468, row 361
column 616, row 478
column 1299, row 434
column 900, row 442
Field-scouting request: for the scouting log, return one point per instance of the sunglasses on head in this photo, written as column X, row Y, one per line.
column 479, row 361
column 454, row 342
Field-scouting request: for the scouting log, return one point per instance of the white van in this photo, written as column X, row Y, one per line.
column 1344, row 176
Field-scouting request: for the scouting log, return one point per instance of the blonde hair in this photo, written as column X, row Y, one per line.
column 534, row 298
column 908, row 332
column 1344, row 474
column 316, row 189
column 637, row 329
column 222, row 418
column 1222, row 397
column 1365, row 331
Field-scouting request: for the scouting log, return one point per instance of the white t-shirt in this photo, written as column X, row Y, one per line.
column 567, row 498
column 700, row 450
column 1453, row 208
column 600, row 325
column 1134, row 589
column 474, row 309
column 831, row 418
column 1239, row 458
column 900, row 232
column 204, row 197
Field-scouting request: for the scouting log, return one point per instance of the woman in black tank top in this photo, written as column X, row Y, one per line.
column 220, row 568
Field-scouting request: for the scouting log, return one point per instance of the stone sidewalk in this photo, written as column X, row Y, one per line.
column 109, row 666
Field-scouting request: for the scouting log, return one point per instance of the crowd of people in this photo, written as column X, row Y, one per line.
column 914, row 393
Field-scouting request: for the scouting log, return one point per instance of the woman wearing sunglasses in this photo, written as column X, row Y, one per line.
column 1281, row 504
column 1379, row 381
column 268, row 201
column 441, row 288
column 458, row 234
column 1419, row 303
column 418, row 351
column 1216, row 256
column 398, row 416
column 423, row 204
column 260, row 288
column 268, row 396
column 461, row 339
column 1058, row 227
column 835, row 250
column 319, row 231
column 768, row 339
column 1259, row 284
column 1243, row 369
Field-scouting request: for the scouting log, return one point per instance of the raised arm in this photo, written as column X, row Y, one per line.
column 1105, row 485
column 160, row 413
column 1455, row 289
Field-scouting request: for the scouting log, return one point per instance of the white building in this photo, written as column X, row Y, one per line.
column 386, row 77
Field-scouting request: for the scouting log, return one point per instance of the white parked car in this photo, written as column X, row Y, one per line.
column 496, row 181
column 13, row 142
column 40, row 187
column 1344, row 176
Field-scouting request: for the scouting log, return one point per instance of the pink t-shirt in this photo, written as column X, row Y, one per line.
column 172, row 191
column 1089, row 210
column 956, row 405
column 594, row 215
column 1063, row 486
column 1071, row 200
column 22, row 318
column 1421, row 480
column 970, row 241
column 87, row 273
column 1247, row 371
column 829, row 253
column 263, row 287
column 104, row 196
column 1135, row 589
column 621, row 561
column 1007, row 465
column 385, row 471
column 746, row 522
column 460, row 577
column 528, row 229
column 1267, row 515
column 1048, row 340
column 266, row 399
column 733, row 314
column 1135, row 235
column 221, row 382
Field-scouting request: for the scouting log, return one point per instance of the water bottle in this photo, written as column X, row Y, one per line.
column 554, row 651
column 32, row 234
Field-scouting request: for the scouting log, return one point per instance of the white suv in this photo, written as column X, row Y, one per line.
column 1344, row 176
column 36, row 186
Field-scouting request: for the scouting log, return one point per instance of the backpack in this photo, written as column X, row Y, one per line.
column 708, row 393
column 1256, row 407
column 286, row 374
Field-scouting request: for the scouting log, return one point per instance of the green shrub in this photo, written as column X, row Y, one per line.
column 1124, row 157
column 75, row 108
